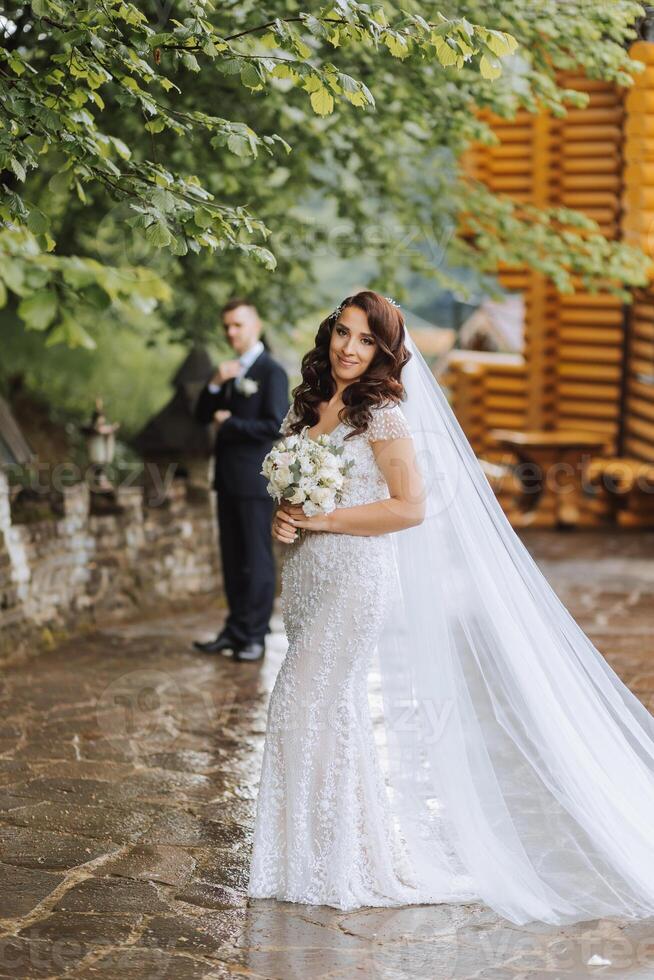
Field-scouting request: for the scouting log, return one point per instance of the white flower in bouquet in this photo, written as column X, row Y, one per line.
column 306, row 471
column 298, row 496
column 322, row 500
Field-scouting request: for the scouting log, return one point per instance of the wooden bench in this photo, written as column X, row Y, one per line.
column 629, row 486
column 552, row 468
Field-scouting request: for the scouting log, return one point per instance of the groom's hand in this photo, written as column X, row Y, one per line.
column 220, row 416
column 225, row 371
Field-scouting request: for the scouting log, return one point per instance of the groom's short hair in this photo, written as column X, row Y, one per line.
column 237, row 301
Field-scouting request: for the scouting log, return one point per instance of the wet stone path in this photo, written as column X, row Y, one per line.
column 128, row 774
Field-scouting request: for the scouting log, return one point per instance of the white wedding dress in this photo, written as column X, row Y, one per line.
column 513, row 766
column 324, row 832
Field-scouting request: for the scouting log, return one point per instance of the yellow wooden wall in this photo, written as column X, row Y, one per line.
column 638, row 229
column 486, row 391
column 588, row 359
column 589, row 327
column 574, row 344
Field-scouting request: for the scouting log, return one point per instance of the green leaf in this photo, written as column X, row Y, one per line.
column 500, row 43
column 303, row 50
column 17, row 168
column 70, row 332
column 445, row 53
column 250, row 77
column 230, row 66
column 489, row 67
column 163, row 200
column 80, row 273
column 96, row 297
column 16, row 64
column 397, row 46
column 241, row 146
column 179, row 246
column 38, row 222
column 122, row 149
column 13, row 275
column 38, row 310
column 190, row 61
column 158, row 234
column 322, row 102
column 285, row 71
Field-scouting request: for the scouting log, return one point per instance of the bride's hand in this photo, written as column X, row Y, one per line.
column 282, row 528
column 298, row 519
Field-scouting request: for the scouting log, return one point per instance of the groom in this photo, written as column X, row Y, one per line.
column 246, row 399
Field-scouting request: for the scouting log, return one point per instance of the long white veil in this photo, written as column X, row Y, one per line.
column 517, row 759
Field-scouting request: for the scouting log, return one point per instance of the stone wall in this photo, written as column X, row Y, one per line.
column 104, row 555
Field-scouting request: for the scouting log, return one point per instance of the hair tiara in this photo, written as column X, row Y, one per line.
column 337, row 312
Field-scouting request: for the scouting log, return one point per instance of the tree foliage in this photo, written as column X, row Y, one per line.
column 179, row 151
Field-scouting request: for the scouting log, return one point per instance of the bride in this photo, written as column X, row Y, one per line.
column 513, row 767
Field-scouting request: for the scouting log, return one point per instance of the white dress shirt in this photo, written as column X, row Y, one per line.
column 246, row 360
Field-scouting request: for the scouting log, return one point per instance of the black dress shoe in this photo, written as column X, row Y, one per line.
column 250, row 651
column 221, row 642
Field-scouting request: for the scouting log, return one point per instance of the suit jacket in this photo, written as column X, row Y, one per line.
column 246, row 437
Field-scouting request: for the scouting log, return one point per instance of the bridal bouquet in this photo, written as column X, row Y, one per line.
column 306, row 471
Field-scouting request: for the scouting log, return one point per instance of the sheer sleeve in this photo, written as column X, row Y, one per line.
column 388, row 422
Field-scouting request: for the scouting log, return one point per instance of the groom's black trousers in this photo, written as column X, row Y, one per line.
column 246, row 551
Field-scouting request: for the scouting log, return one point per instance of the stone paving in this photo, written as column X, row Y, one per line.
column 128, row 774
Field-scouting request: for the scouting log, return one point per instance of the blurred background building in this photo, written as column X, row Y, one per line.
column 577, row 390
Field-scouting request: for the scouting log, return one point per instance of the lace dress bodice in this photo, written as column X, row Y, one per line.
column 365, row 481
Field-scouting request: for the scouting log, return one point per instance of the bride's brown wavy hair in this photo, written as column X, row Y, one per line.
column 378, row 385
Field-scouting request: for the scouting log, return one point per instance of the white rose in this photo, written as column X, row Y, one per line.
column 282, row 476
column 323, row 497
column 298, row 496
column 333, row 480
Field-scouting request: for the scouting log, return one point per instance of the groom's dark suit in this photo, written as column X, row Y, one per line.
column 245, row 508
